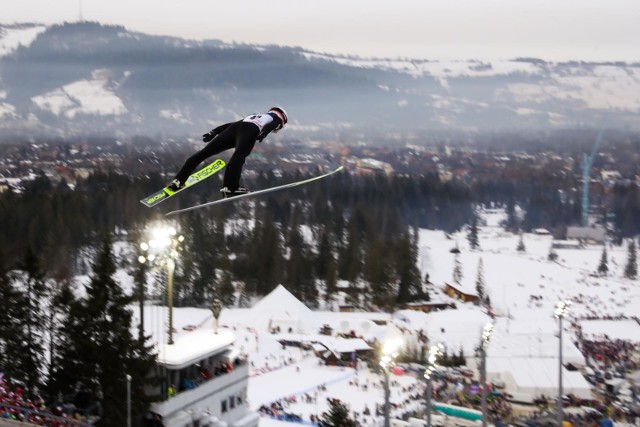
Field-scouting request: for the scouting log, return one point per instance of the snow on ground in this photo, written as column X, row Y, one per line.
column 602, row 87
column 292, row 380
column 93, row 96
column 438, row 69
column 523, row 286
column 13, row 37
column 613, row 329
column 526, row 284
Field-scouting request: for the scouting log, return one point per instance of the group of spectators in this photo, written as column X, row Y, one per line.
column 190, row 382
column 608, row 353
column 278, row 410
column 273, row 362
column 458, row 390
column 15, row 405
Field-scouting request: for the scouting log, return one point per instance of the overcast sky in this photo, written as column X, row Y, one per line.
column 554, row 30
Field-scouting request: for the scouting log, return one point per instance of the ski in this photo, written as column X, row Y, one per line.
column 193, row 179
column 256, row 193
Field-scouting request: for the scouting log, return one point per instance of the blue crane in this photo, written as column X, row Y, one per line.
column 587, row 161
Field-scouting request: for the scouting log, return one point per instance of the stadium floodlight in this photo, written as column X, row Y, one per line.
column 561, row 310
column 162, row 249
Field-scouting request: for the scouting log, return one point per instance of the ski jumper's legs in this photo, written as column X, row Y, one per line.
column 225, row 141
column 246, row 135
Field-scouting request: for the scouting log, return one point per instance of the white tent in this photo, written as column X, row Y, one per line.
column 280, row 309
column 533, row 377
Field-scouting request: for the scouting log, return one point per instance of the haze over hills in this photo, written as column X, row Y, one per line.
column 87, row 78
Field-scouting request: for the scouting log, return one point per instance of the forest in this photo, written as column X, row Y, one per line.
column 359, row 229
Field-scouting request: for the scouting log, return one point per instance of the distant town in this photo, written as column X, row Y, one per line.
column 462, row 160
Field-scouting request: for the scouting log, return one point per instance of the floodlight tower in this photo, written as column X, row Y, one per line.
column 561, row 310
column 162, row 250
column 486, row 336
column 387, row 361
column 435, row 351
column 587, row 162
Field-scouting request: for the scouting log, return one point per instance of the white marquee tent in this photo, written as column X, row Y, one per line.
column 531, row 377
column 280, row 309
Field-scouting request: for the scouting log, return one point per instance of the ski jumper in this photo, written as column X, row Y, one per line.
column 241, row 135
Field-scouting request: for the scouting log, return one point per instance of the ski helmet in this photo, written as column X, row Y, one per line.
column 281, row 113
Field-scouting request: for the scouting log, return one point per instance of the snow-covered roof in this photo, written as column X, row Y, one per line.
column 335, row 344
column 536, row 376
column 194, row 346
column 193, row 336
column 521, row 339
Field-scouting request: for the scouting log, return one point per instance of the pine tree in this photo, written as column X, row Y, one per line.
column 243, row 297
column 603, row 267
column 27, row 349
column 225, row 290
column 377, row 273
column 329, row 266
column 457, row 270
column 406, row 256
column 512, row 222
column 337, row 415
column 521, row 247
column 472, row 237
column 263, row 269
column 62, row 300
column 351, row 257
column 9, row 322
column 331, row 281
column 299, row 275
column 204, row 257
column 100, row 349
column 326, row 264
column 480, row 282
column 631, row 269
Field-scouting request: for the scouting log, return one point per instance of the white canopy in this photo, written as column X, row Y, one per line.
column 535, row 376
column 281, row 309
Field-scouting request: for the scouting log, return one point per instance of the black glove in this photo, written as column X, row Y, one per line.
column 208, row 137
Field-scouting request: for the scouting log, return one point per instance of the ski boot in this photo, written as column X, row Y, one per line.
column 226, row 192
column 175, row 185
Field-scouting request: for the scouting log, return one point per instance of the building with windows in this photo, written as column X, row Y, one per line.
column 202, row 377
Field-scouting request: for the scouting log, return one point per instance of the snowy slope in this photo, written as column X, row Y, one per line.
column 594, row 86
column 198, row 84
column 12, row 37
column 526, row 284
column 525, row 333
column 91, row 96
column 438, row 69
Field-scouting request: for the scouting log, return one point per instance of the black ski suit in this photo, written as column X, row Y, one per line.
column 241, row 135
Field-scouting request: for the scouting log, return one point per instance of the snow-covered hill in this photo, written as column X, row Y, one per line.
column 88, row 96
column 14, row 36
column 89, row 77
